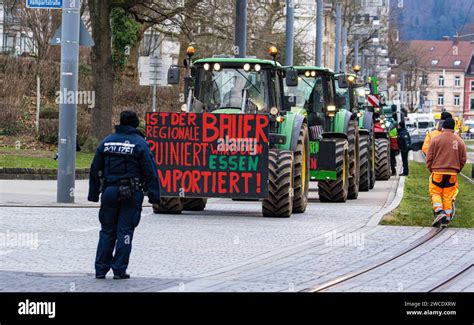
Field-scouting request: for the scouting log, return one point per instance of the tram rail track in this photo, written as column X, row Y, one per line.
column 433, row 233
column 453, row 278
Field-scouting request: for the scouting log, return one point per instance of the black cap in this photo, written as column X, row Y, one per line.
column 449, row 124
column 129, row 118
column 446, row 115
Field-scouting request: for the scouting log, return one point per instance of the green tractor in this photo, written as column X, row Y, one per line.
column 334, row 134
column 228, row 85
column 355, row 92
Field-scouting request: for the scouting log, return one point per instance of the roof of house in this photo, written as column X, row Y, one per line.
column 446, row 54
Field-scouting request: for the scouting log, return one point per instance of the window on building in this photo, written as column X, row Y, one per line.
column 472, row 104
column 434, row 62
column 440, row 100
column 441, row 81
column 457, row 100
column 457, row 63
column 457, row 81
column 472, row 85
column 424, row 80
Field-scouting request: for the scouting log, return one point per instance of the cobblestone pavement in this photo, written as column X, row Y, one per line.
column 228, row 247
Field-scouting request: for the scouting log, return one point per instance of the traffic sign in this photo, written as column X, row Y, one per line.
column 374, row 100
column 44, row 4
column 153, row 70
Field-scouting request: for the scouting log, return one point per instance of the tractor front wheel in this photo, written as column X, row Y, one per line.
column 280, row 185
column 194, row 204
column 168, row 205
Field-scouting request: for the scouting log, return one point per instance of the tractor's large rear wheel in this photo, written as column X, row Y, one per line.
column 365, row 165
column 337, row 190
column 354, row 158
column 194, row 204
column 301, row 171
column 280, row 185
column 382, row 159
column 168, row 205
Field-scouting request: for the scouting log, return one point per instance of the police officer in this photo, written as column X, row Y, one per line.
column 122, row 169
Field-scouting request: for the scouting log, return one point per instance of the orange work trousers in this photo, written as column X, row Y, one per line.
column 443, row 191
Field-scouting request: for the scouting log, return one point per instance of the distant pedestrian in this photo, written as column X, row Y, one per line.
column 404, row 143
column 123, row 164
column 446, row 158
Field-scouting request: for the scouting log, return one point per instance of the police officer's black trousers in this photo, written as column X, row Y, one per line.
column 405, row 161
column 118, row 221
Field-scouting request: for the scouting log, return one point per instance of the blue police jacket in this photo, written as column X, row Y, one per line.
column 124, row 155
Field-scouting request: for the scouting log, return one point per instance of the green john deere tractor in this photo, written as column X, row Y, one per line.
column 334, row 133
column 228, row 85
column 355, row 92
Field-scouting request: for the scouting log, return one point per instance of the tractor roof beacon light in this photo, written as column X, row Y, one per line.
column 190, row 51
column 273, row 51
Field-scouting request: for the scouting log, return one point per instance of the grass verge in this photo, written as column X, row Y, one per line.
column 13, row 158
column 415, row 208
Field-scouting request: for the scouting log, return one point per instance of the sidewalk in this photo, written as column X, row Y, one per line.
column 36, row 193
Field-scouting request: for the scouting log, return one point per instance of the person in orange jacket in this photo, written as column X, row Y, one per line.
column 434, row 133
column 446, row 158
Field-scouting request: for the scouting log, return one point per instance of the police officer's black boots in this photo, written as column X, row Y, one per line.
column 122, row 277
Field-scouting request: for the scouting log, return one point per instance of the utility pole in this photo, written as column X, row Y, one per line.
column 344, row 50
column 240, row 49
column 290, row 27
column 356, row 52
column 337, row 64
column 319, row 32
column 70, row 33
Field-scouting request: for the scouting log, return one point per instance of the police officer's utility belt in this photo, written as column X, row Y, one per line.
column 127, row 187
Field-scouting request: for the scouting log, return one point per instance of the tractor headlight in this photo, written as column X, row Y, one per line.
column 313, row 74
column 217, row 66
column 274, row 111
column 257, row 67
column 307, row 74
column 246, row 67
column 207, row 66
column 331, row 108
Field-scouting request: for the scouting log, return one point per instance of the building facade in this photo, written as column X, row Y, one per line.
column 305, row 31
column 445, row 66
column 469, row 92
